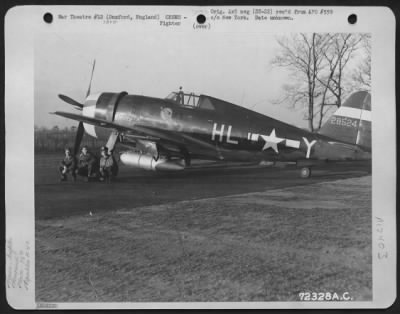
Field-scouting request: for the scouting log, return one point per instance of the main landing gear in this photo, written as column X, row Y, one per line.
column 305, row 172
column 307, row 165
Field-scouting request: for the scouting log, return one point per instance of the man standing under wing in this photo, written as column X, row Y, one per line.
column 107, row 165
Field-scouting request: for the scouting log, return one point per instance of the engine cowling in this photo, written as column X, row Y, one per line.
column 148, row 162
column 101, row 106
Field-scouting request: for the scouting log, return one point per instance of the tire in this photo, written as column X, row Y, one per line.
column 305, row 172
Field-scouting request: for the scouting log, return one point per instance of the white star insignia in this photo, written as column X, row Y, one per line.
column 271, row 141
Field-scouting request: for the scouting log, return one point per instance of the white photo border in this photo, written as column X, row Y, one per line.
column 21, row 25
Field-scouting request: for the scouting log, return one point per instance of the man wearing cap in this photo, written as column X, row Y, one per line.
column 67, row 165
column 86, row 164
column 180, row 97
column 107, row 165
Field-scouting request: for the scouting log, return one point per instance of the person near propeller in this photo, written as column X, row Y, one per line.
column 87, row 163
column 108, row 166
column 67, row 166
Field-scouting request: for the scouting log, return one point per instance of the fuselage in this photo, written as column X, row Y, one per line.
column 214, row 129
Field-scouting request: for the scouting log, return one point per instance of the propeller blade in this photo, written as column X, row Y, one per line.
column 78, row 138
column 91, row 77
column 70, row 101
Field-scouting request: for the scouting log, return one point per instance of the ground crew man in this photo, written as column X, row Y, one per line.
column 108, row 165
column 86, row 164
column 67, row 165
column 180, row 97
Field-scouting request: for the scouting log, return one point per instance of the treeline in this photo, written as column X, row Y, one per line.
column 56, row 140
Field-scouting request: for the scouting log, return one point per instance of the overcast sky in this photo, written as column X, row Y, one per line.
column 231, row 66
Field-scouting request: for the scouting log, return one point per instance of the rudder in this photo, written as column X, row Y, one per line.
column 351, row 123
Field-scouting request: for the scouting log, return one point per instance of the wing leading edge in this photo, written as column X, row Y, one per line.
column 139, row 131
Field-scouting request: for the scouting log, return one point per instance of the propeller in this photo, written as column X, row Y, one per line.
column 81, row 130
column 91, row 77
column 78, row 137
column 71, row 101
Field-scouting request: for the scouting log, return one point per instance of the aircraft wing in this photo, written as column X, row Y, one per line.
column 139, row 131
column 103, row 124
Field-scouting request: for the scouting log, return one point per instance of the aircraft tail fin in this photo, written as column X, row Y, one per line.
column 351, row 123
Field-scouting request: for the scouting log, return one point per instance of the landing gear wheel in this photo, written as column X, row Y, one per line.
column 305, row 172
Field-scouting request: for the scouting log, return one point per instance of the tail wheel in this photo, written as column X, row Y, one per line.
column 305, row 172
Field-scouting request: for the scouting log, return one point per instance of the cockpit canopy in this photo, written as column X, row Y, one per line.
column 184, row 98
column 191, row 100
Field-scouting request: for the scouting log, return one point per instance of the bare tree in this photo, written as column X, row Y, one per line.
column 318, row 64
column 340, row 50
column 303, row 54
column 362, row 75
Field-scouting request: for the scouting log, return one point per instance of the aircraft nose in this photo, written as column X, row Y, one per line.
column 89, row 110
column 101, row 106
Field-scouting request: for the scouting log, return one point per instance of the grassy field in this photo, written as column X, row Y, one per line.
column 261, row 246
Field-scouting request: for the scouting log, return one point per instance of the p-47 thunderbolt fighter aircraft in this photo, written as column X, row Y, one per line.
column 166, row 134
